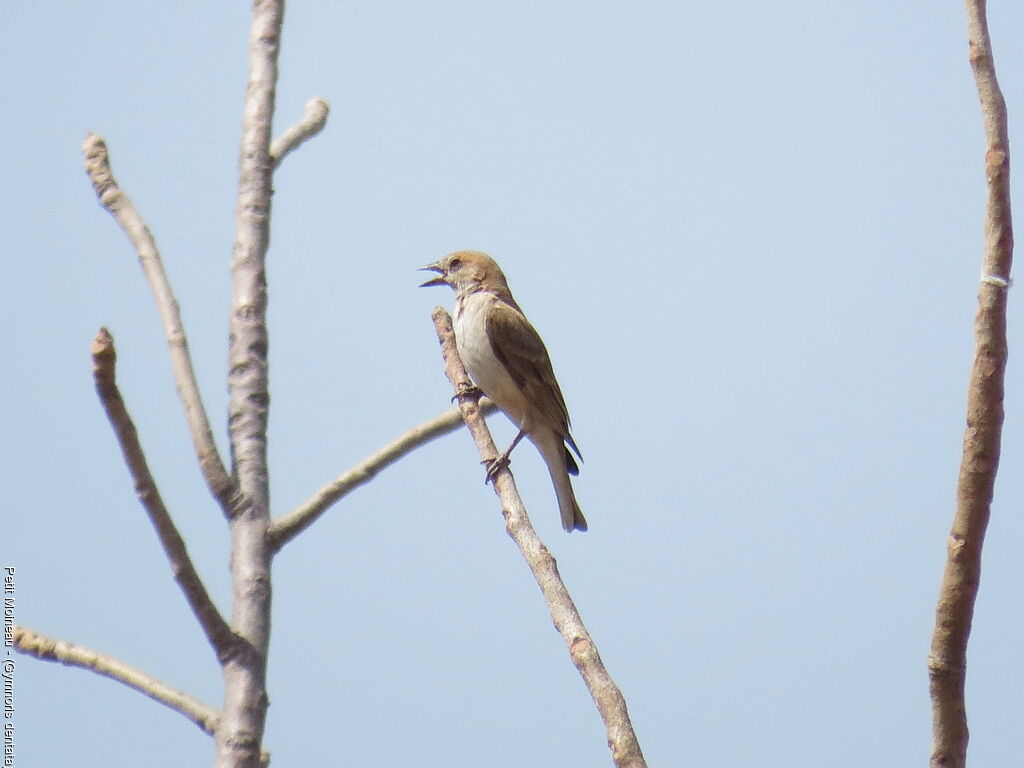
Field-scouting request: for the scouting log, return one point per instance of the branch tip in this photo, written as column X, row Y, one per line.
column 309, row 125
column 103, row 346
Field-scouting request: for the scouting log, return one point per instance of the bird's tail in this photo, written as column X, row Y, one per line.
column 572, row 516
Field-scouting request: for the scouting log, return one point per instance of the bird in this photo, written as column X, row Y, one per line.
column 508, row 361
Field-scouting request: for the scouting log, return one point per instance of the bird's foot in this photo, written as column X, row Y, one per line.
column 467, row 390
column 494, row 466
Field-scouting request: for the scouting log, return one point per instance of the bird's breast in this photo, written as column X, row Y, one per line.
column 478, row 356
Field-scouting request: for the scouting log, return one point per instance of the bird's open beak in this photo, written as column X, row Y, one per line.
column 439, row 280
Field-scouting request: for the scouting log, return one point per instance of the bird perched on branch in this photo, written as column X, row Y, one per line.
column 508, row 361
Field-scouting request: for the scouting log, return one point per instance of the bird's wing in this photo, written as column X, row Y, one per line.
column 520, row 349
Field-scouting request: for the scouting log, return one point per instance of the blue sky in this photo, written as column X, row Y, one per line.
column 751, row 238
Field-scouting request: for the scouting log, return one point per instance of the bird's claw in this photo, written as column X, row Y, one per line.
column 494, row 466
column 467, row 390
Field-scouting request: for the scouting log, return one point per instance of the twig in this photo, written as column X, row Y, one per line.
column 610, row 703
column 104, row 359
column 947, row 662
column 310, row 124
column 49, row 649
column 243, row 717
column 120, row 206
column 289, row 526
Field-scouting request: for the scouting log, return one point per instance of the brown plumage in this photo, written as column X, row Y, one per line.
column 507, row 359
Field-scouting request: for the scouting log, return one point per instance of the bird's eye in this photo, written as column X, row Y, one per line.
column 454, row 263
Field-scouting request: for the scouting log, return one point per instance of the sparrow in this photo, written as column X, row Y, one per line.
column 507, row 360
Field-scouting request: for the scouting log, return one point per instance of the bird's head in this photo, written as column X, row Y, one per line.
column 466, row 271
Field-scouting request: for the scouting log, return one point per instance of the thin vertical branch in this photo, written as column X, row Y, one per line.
column 240, row 732
column 610, row 702
column 120, row 206
column 217, row 631
column 947, row 662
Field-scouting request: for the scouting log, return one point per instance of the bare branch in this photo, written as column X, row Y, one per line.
column 243, row 718
column 295, row 522
column 217, row 631
column 312, row 122
column 118, row 204
column 947, row 662
column 49, row 649
column 610, row 703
